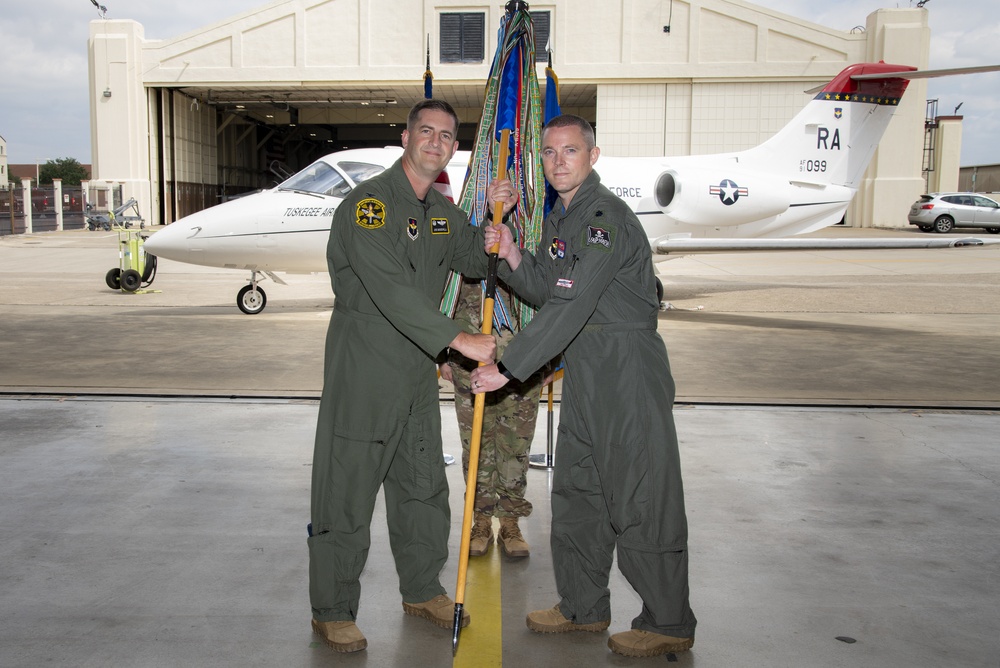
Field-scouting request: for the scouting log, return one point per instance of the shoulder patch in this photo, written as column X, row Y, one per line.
column 371, row 213
column 599, row 237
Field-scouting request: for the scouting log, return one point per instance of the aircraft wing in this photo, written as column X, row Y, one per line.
column 682, row 246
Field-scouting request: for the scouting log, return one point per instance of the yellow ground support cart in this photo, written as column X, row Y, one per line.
column 136, row 268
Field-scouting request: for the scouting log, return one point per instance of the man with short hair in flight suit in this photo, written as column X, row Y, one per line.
column 617, row 478
column 392, row 242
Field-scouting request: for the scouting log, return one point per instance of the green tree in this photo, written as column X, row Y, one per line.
column 68, row 169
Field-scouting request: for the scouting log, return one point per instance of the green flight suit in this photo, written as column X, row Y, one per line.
column 379, row 421
column 617, row 476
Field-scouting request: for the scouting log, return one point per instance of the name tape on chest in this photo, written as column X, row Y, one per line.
column 440, row 226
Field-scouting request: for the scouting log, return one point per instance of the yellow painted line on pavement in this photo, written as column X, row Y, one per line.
column 481, row 642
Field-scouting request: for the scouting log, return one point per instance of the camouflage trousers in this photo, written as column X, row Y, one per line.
column 508, row 427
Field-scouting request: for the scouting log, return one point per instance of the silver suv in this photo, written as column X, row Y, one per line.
column 943, row 212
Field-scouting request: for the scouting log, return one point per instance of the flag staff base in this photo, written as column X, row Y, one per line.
column 548, row 460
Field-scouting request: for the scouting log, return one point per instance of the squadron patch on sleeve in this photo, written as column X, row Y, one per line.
column 598, row 236
column 371, row 213
column 439, row 226
column 411, row 229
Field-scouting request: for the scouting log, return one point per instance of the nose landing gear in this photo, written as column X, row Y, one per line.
column 251, row 299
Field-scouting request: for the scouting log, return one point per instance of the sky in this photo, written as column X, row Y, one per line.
column 44, row 108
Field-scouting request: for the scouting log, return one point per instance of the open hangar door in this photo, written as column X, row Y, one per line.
column 213, row 144
column 216, row 143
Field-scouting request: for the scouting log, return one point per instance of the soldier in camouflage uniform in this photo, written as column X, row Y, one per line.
column 508, row 427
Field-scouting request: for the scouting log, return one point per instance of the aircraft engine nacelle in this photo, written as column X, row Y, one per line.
column 723, row 197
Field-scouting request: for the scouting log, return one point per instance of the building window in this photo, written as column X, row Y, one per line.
column 463, row 37
column 540, row 22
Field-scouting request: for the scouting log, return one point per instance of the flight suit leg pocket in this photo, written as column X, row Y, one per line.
column 631, row 482
column 425, row 461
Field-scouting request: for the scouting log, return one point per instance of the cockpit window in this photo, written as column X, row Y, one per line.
column 360, row 171
column 321, row 178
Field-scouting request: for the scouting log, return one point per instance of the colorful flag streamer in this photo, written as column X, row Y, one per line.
column 513, row 102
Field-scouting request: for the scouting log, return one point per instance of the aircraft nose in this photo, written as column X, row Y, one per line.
column 174, row 242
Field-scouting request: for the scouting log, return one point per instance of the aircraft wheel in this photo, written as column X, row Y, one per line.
column 131, row 280
column 944, row 224
column 993, row 230
column 250, row 300
column 114, row 279
column 659, row 291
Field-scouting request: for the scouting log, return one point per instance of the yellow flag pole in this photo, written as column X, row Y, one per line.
column 478, row 410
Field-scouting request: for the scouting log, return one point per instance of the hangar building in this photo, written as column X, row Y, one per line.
column 184, row 122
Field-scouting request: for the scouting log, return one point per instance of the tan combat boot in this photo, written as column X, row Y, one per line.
column 553, row 621
column 341, row 636
column 511, row 540
column 643, row 643
column 439, row 610
column 481, row 536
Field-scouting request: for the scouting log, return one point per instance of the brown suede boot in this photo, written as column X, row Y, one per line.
column 481, row 536
column 511, row 540
column 340, row 636
column 439, row 610
column 643, row 643
column 553, row 621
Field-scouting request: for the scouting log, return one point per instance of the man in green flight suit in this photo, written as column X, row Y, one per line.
column 392, row 243
column 617, row 477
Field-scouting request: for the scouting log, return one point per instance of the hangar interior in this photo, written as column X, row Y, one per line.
column 183, row 123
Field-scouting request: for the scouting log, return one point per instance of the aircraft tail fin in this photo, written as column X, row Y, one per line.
column 833, row 138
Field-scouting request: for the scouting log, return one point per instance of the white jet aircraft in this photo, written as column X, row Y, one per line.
column 800, row 180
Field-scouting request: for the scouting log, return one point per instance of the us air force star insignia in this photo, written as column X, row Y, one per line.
column 411, row 229
column 439, row 226
column 728, row 192
column 371, row 213
column 598, row 236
